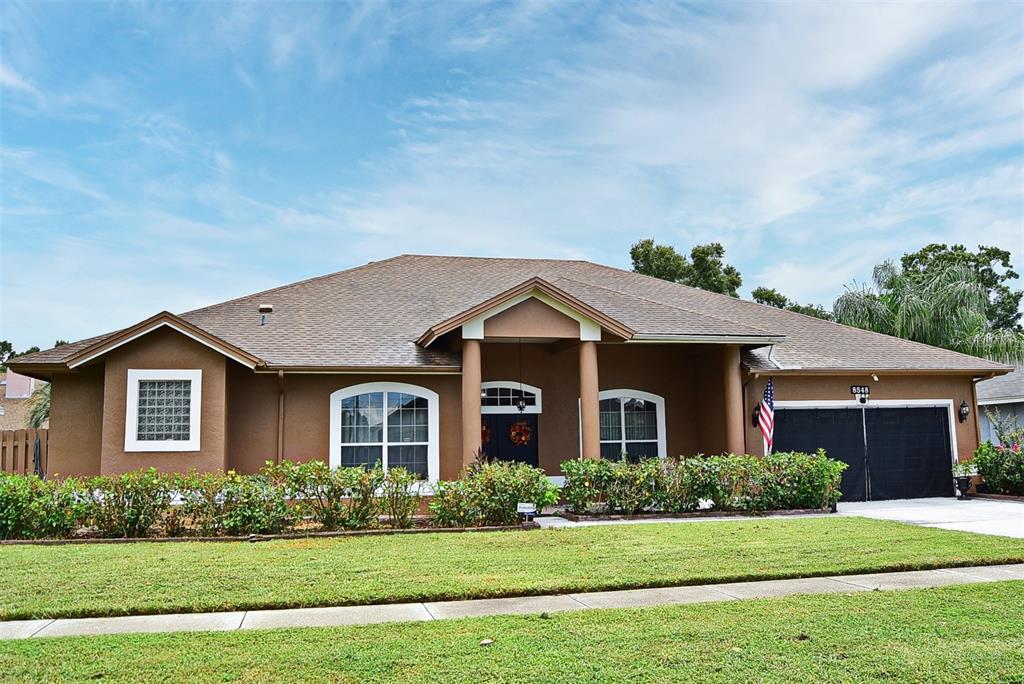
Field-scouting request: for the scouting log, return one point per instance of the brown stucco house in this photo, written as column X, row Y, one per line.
column 421, row 361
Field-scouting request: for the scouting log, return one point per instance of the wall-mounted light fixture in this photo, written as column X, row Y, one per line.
column 755, row 417
column 964, row 411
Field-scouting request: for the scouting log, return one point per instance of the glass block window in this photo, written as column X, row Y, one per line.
column 391, row 428
column 164, row 410
column 629, row 426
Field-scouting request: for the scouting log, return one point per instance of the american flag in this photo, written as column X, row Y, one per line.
column 766, row 419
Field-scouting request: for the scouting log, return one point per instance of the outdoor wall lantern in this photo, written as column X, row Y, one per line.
column 965, row 411
column 755, row 417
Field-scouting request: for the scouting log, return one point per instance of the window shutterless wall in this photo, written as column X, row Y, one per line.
column 164, row 349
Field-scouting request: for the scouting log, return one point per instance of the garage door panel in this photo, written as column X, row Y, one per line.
column 908, row 448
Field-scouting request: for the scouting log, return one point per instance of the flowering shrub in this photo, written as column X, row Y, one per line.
column 33, row 508
column 233, row 504
column 399, row 497
column 488, row 494
column 128, row 505
column 337, row 499
column 730, row 482
column 1002, row 467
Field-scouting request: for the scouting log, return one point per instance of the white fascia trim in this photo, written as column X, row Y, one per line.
column 590, row 330
column 132, row 443
column 146, row 331
column 884, row 403
column 696, row 339
column 511, row 384
column 1011, row 400
column 433, row 424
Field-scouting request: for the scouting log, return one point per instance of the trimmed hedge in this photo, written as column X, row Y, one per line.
column 730, row 482
column 309, row 496
column 1002, row 467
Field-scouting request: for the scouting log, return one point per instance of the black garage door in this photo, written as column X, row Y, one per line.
column 907, row 455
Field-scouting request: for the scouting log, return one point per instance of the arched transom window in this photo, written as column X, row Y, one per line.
column 632, row 424
column 392, row 423
column 502, row 396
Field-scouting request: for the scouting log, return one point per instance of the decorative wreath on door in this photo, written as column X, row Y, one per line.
column 520, row 433
column 485, row 433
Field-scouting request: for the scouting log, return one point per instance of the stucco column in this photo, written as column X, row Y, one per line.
column 470, row 400
column 589, row 401
column 733, row 399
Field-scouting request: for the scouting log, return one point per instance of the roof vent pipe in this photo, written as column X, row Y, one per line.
column 265, row 309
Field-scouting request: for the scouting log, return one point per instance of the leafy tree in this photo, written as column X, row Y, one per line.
column 6, row 352
column 772, row 297
column 945, row 307
column 704, row 269
column 659, row 261
column 991, row 267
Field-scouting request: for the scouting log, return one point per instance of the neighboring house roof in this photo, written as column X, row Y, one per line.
column 372, row 316
column 1004, row 389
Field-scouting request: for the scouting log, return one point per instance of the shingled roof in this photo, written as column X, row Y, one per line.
column 1005, row 389
column 372, row 315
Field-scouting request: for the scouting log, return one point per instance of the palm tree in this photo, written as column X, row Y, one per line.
column 39, row 409
column 949, row 309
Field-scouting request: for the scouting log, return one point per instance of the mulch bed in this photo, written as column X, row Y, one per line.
column 577, row 517
column 998, row 497
column 424, row 529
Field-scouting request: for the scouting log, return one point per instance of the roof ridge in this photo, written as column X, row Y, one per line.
column 747, row 302
column 671, row 306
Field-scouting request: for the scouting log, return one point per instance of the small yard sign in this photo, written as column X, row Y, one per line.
column 526, row 508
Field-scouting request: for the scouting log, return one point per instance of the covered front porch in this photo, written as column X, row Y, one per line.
column 543, row 401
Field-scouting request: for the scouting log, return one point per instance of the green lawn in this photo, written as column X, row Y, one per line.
column 955, row 634
column 118, row 579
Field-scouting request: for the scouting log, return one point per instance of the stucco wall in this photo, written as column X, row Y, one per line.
column 76, row 422
column 163, row 349
column 837, row 388
column 253, row 400
column 531, row 318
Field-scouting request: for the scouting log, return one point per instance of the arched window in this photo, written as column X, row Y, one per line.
column 388, row 422
column 632, row 423
column 502, row 396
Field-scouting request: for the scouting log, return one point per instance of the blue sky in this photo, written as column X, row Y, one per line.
column 165, row 156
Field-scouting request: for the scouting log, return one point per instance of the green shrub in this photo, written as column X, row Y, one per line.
column 128, row 505
column 586, row 482
column 337, row 499
column 489, row 494
column 730, row 482
column 633, row 487
column 234, row 505
column 59, row 507
column 400, row 496
column 16, row 496
column 1002, row 467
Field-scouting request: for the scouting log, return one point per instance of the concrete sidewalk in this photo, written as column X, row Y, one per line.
column 444, row 610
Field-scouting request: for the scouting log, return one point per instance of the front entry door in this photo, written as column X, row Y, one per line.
column 499, row 438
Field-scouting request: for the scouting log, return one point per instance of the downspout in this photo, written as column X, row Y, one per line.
column 977, row 409
column 746, row 415
column 280, row 416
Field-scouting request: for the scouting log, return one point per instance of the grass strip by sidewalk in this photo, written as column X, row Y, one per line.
column 970, row 633
column 125, row 579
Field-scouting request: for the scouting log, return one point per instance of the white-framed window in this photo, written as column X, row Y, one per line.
column 393, row 423
column 502, row 396
column 632, row 423
column 163, row 409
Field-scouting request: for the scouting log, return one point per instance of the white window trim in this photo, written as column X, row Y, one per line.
column 132, row 443
column 885, row 403
column 510, row 384
column 657, row 400
column 433, row 429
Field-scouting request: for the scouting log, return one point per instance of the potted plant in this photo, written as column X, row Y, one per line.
column 963, row 473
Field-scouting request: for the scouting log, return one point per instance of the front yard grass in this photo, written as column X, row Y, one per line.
column 124, row 579
column 970, row 633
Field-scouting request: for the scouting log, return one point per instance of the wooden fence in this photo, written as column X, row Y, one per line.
column 17, row 450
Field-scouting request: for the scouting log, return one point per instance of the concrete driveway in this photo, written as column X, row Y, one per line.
column 984, row 516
